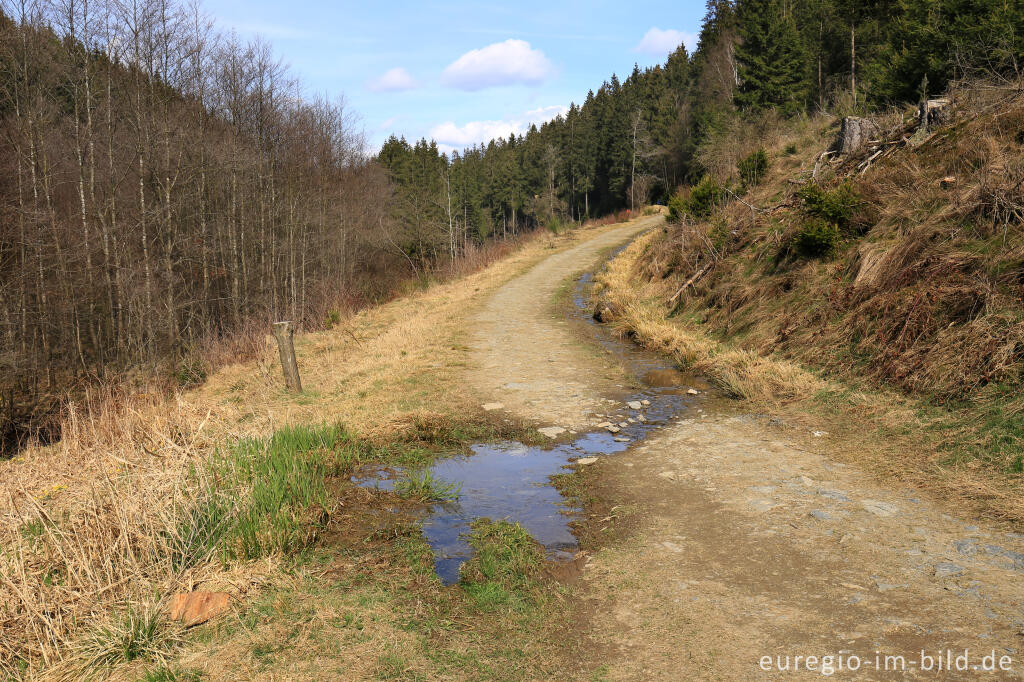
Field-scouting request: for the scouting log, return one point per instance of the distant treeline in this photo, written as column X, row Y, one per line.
column 162, row 185
column 636, row 140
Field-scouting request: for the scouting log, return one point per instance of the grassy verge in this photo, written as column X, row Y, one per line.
column 352, row 573
column 934, row 448
column 366, row 604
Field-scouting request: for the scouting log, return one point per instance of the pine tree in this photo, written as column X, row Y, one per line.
column 771, row 58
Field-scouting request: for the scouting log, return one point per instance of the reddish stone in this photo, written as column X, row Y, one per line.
column 194, row 608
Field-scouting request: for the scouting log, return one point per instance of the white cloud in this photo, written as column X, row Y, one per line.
column 508, row 63
column 450, row 136
column 660, row 43
column 542, row 114
column 392, row 80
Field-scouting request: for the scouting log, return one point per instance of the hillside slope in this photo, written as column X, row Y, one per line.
column 902, row 275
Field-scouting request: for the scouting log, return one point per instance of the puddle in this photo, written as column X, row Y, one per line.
column 664, row 378
column 512, row 481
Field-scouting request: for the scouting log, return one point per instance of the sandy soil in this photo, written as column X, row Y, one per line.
column 753, row 540
column 527, row 360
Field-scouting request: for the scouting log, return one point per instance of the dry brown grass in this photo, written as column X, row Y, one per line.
column 85, row 523
column 741, row 373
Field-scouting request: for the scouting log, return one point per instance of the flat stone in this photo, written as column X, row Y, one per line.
column 879, row 508
column 586, row 460
column 493, row 406
column 552, row 431
column 645, row 403
column 821, row 515
column 195, row 608
column 761, row 505
column 612, row 428
column 692, row 391
column 640, row 418
column 834, row 495
column 967, row 546
column 887, row 587
column 604, row 425
column 1016, row 558
column 634, row 405
column 947, row 570
column 621, row 440
column 670, row 475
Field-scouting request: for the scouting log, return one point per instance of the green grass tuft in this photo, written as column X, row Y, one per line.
column 260, row 496
column 505, row 572
column 139, row 634
column 280, row 482
column 391, row 666
column 423, row 486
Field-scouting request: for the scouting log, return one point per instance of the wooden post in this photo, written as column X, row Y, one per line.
column 285, row 334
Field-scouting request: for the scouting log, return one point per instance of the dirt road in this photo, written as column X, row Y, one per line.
column 753, row 548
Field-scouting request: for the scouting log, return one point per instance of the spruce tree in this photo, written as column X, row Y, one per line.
column 771, row 58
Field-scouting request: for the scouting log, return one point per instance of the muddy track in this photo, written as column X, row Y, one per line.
column 750, row 544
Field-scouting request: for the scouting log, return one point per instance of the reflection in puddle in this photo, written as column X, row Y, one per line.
column 512, row 481
column 664, row 378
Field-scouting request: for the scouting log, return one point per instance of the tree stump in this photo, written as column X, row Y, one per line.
column 285, row 335
column 933, row 112
column 854, row 135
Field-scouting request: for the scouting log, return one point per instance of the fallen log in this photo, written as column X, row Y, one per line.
column 700, row 273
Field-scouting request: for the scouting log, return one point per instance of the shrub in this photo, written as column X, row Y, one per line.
column 790, row 149
column 676, row 207
column 753, row 167
column 705, row 197
column 191, row 371
column 835, row 206
column 817, row 238
column 332, row 318
column 557, row 224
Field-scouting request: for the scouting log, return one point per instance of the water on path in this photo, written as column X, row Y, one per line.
column 512, row 481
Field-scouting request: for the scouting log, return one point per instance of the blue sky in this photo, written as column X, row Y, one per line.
column 460, row 72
